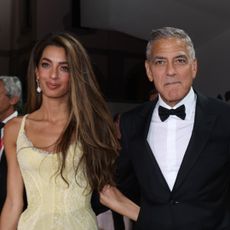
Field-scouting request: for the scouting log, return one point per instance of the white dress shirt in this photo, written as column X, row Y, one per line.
column 14, row 114
column 169, row 139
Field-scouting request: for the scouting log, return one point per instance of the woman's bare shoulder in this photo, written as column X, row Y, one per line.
column 13, row 125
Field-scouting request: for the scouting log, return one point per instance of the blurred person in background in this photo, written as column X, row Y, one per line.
column 10, row 105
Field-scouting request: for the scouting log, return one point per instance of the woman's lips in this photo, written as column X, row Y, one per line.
column 52, row 85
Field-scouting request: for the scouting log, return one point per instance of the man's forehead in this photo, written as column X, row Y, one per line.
column 169, row 43
column 169, row 49
column 169, row 56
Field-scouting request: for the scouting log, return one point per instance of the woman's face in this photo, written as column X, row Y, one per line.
column 52, row 72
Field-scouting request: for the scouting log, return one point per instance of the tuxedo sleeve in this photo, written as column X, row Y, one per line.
column 96, row 205
column 126, row 179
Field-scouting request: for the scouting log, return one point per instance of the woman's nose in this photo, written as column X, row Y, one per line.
column 54, row 73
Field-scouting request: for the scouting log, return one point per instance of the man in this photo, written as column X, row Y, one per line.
column 10, row 100
column 176, row 149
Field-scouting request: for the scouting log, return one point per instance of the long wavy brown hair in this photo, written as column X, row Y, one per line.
column 90, row 122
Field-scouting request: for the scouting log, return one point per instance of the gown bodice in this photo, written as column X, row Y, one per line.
column 52, row 203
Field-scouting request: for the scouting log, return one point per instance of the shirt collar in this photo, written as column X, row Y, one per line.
column 14, row 114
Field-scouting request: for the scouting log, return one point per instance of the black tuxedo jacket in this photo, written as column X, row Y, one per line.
column 3, row 171
column 199, row 199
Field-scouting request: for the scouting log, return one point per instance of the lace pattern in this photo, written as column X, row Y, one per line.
column 52, row 204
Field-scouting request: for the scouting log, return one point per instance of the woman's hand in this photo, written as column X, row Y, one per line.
column 111, row 197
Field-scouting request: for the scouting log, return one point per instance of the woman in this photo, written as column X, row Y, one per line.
column 65, row 146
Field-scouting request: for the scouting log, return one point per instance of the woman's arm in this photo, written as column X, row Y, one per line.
column 13, row 205
column 111, row 197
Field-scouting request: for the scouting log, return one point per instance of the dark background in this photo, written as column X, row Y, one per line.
column 115, row 34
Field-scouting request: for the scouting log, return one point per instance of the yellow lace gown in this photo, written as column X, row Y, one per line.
column 52, row 205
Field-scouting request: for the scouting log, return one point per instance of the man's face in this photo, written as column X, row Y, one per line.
column 6, row 103
column 171, row 69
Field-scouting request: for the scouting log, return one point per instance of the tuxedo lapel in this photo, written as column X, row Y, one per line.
column 203, row 126
column 147, row 149
column 147, row 117
column 155, row 166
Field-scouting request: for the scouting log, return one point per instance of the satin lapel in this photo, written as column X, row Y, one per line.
column 147, row 149
column 156, row 168
column 203, row 126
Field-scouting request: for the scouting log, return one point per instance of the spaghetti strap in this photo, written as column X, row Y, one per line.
column 22, row 126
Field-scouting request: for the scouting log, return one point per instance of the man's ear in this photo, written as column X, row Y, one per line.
column 14, row 100
column 194, row 68
column 148, row 71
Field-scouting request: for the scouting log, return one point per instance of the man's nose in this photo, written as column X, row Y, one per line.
column 170, row 69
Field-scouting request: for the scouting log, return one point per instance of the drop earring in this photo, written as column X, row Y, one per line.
column 38, row 86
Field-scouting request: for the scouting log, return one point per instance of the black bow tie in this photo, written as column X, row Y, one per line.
column 1, row 125
column 165, row 113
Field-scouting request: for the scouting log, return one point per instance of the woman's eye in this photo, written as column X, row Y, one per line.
column 65, row 68
column 44, row 64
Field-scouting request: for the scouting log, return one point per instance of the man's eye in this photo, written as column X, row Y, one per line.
column 159, row 62
column 181, row 61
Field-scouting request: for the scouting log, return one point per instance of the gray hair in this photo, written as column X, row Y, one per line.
column 13, row 87
column 170, row 32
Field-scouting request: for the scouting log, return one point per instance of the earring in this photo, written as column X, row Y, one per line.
column 38, row 86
